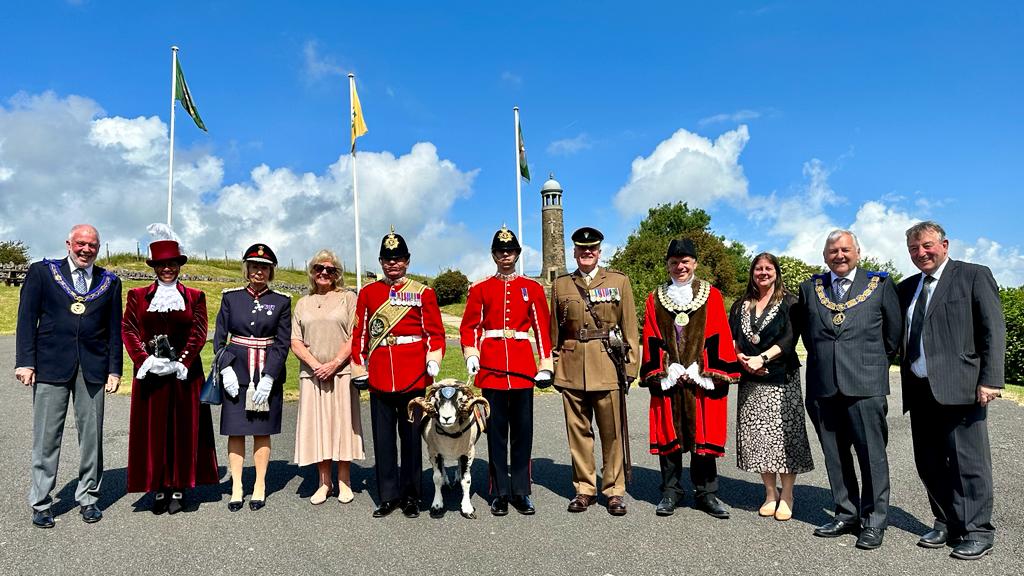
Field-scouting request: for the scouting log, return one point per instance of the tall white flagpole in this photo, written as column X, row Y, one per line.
column 355, row 191
column 519, row 195
column 170, row 157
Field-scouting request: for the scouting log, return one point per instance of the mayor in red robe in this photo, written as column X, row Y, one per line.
column 170, row 434
column 688, row 363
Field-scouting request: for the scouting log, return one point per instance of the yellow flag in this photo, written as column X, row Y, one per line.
column 358, row 124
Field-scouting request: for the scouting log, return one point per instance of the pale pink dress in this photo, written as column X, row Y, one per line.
column 328, row 426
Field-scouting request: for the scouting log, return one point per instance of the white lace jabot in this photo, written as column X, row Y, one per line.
column 681, row 293
column 167, row 298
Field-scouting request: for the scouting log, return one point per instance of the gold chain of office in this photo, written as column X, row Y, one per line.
column 841, row 308
column 700, row 296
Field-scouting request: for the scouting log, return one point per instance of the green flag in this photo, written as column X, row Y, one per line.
column 182, row 94
column 524, row 168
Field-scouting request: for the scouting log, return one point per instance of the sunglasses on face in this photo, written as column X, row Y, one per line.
column 320, row 269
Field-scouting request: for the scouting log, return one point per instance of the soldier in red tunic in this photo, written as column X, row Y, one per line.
column 397, row 345
column 500, row 312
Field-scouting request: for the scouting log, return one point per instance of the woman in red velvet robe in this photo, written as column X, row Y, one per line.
column 170, row 434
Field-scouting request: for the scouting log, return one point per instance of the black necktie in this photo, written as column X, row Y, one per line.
column 917, row 322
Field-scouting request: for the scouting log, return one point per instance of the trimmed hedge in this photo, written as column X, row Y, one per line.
column 1013, row 310
column 451, row 286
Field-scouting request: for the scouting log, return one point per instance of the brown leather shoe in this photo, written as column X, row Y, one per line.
column 616, row 506
column 581, row 502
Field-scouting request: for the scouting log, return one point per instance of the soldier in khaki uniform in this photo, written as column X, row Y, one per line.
column 585, row 373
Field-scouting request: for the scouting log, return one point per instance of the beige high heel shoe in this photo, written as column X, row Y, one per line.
column 345, row 494
column 783, row 512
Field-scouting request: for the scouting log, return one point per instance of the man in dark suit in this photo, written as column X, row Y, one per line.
column 850, row 323
column 952, row 367
column 69, row 346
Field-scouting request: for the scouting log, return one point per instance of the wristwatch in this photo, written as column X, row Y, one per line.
column 765, row 358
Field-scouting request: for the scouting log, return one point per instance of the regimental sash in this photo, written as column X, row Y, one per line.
column 80, row 300
column 839, row 310
column 398, row 304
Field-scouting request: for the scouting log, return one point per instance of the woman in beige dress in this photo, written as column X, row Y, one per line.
column 329, row 427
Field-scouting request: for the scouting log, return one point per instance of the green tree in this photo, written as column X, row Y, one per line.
column 450, row 286
column 875, row 265
column 1013, row 310
column 642, row 257
column 795, row 271
column 13, row 252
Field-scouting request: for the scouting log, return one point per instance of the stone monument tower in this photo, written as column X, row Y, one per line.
column 552, row 230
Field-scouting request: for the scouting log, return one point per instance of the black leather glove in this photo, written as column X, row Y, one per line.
column 543, row 379
column 362, row 383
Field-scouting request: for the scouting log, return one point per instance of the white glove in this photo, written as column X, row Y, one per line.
column 163, row 367
column 147, row 365
column 263, row 390
column 695, row 376
column 229, row 381
column 674, row 372
column 433, row 368
column 473, row 365
column 182, row 371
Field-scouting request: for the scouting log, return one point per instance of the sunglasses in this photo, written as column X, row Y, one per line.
column 320, row 269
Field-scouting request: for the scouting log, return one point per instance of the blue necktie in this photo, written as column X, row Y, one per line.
column 80, row 286
column 841, row 288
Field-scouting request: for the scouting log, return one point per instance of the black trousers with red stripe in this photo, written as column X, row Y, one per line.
column 510, row 426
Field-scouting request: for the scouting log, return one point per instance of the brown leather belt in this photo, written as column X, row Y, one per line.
column 585, row 334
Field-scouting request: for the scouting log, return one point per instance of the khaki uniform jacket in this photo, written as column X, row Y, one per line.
column 586, row 365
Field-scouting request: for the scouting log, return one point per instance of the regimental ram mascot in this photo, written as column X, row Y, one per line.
column 455, row 420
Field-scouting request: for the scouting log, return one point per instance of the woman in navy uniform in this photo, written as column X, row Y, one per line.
column 253, row 337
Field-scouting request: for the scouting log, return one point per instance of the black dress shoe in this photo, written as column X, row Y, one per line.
column 385, row 508
column 499, row 506
column 176, row 504
column 836, row 528
column 523, row 504
column 235, row 505
column 255, row 505
column 666, row 507
column 90, row 513
column 870, row 538
column 411, row 508
column 933, row 539
column 711, row 505
column 160, row 502
column 42, row 518
column 971, row 550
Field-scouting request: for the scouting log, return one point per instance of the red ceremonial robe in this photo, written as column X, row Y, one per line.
column 170, row 434
column 688, row 417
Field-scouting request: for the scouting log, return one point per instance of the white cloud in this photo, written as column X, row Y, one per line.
column 689, row 168
column 69, row 164
column 570, row 146
column 317, row 66
column 511, row 78
column 732, row 117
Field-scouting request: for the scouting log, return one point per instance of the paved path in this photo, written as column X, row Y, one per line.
column 292, row 537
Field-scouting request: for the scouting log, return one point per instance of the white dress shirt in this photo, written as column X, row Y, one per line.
column 851, row 276
column 920, row 366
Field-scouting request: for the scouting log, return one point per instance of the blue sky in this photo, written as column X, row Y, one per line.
column 782, row 119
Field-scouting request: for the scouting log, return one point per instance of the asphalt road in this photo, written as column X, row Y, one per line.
column 291, row 536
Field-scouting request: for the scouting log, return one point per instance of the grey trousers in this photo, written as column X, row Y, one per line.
column 49, row 410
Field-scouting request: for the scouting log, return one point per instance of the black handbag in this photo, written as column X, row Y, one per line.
column 212, row 392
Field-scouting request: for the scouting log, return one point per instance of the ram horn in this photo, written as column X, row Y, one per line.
column 484, row 404
column 427, row 407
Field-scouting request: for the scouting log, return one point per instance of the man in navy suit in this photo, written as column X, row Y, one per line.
column 69, row 347
column 953, row 356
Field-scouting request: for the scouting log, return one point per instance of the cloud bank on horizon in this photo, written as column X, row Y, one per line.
column 64, row 161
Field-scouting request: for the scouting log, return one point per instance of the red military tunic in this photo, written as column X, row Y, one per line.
column 495, row 327
column 687, row 417
column 400, row 367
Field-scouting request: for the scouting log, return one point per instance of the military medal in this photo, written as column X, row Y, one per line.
column 78, row 308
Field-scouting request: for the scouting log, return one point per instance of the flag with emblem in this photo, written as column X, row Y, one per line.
column 524, row 168
column 358, row 123
column 183, row 95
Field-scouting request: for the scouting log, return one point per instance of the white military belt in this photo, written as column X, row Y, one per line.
column 396, row 340
column 507, row 334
